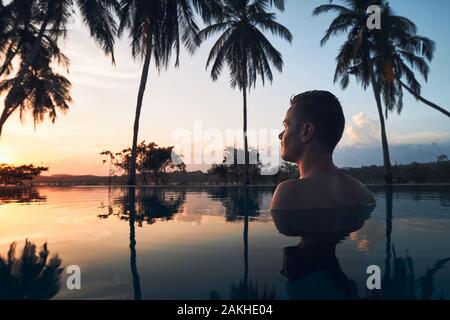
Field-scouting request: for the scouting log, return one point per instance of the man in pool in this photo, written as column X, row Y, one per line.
column 313, row 127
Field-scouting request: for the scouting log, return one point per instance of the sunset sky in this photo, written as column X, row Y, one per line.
column 101, row 116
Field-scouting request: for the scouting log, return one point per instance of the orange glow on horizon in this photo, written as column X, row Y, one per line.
column 4, row 159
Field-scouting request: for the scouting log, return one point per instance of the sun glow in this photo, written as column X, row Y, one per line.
column 4, row 158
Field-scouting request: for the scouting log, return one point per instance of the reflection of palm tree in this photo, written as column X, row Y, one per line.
column 243, row 46
column 244, row 205
column 32, row 276
column 246, row 289
column 133, row 264
column 399, row 280
column 149, row 205
column 389, row 207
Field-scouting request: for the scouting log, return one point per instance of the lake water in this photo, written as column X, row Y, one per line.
column 217, row 243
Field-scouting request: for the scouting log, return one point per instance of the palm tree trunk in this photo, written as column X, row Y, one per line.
column 35, row 49
column 144, row 77
column 7, row 112
column 384, row 141
column 422, row 99
column 3, row 119
column 246, row 177
column 5, row 115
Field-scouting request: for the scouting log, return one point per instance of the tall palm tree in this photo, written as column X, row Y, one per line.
column 243, row 46
column 157, row 29
column 355, row 58
column 397, row 50
column 28, row 26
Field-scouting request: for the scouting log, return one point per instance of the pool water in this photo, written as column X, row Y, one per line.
column 215, row 243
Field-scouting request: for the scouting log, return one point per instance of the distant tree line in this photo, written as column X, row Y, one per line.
column 153, row 163
column 12, row 175
column 230, row 171
column 434, row 172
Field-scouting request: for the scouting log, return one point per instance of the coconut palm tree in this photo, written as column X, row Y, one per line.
column 157, row 29
column 28, row 26
column 397, row 50
column 40, row 90
column 354, row 58
column 383, row 57
column 244, row 48
column 48, row 21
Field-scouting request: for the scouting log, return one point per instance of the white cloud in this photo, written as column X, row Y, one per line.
column 361, row 131
column 364, row 131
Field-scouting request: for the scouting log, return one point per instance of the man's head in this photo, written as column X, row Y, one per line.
column 314, row 122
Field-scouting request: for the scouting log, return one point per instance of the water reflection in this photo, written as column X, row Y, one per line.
column 20, row 195
column 149, row 205
column 34, row 275
column 241, row 203
column 311, row 267
column 143, row 205
column 399, row 280
column 131, row 209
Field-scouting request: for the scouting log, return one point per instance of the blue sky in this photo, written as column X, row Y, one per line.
column 102, row 114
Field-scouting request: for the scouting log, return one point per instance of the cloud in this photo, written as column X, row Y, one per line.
column 361, row 131
column 365, row 132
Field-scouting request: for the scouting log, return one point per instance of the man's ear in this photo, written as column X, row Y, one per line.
column 307, row 132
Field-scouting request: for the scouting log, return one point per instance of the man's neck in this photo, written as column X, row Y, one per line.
column 317, row 164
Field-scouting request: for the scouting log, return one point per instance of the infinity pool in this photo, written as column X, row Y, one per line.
column 210, row 243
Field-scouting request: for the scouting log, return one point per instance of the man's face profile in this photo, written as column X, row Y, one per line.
column 291, row 137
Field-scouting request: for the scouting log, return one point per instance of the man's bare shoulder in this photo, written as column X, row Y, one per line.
column 358, row 188
column 337, row 190
column 287, row 193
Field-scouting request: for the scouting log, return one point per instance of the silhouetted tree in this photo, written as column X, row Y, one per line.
column 243, row 46
column 152, row 162
column 355, row 56
column 29, row 32
column 34, row 275
column 11, row 175
column 156, row 29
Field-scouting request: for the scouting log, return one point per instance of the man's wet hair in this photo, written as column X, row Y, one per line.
column 324, row 110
